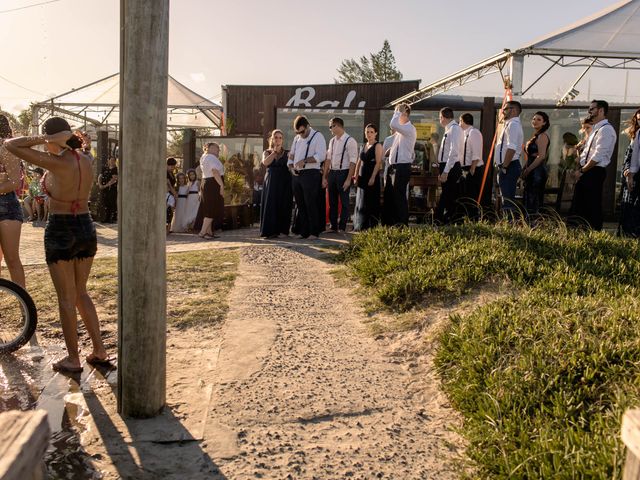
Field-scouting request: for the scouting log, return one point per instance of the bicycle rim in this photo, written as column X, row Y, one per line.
column 14, row 320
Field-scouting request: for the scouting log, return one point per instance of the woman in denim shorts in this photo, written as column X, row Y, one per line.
column 10, row 208
column 70, row 236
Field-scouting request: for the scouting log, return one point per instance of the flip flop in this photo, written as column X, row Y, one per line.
column 91, row 360
column 60, row 367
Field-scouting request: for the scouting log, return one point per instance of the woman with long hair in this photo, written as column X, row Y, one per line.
column 535, row 173
column 277, row 192
column 193, row 198
column 630, row 193
column 70, row 241
column 10, row 209
column 367, row 212
column 179, row 222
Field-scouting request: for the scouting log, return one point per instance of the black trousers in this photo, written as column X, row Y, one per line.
column 471, row 191
column 306, row 192
column 336, row 192
column 587, row 198
column 396, row 203
column 451, row 189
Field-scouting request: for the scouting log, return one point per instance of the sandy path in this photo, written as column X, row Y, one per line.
column 303, row 391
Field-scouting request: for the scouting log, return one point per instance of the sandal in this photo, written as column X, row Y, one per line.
column 62, row 367
column 93, row 360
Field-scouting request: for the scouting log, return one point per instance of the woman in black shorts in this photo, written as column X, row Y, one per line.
column 70, row 237
column 10, row 209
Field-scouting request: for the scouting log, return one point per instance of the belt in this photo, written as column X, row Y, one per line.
column 339, row 170
column 193, row 192
column 182, row 196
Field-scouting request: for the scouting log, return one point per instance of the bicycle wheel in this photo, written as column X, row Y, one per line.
column 18, row 317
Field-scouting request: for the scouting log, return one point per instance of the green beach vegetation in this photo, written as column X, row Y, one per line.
column 541, row 373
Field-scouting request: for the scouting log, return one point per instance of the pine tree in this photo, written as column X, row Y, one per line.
column 378, row 67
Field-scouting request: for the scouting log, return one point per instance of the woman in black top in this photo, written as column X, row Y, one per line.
column 108, row 184
column 535, row 173
column 367, row 213
column 277, row 194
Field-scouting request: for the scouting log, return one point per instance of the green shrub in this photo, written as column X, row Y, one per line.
column 541, row 376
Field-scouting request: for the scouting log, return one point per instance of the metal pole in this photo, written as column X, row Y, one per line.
column 142, row 183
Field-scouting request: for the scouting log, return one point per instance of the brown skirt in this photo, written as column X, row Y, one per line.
column 211, row 201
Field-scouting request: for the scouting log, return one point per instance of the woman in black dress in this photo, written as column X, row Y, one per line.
column 367, row 213
column 277, row 194
column 535, row 173
column 630, row 192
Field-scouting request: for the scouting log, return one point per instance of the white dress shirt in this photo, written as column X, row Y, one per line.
column 402, row 150
column 313, row 146
column 208, row 162
column 600, row 144
column 451, row 145
column 471, row 147
column 512, row 137
column 342, row 152
column 635, row 156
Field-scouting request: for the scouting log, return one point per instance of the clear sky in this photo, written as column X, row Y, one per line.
column 63, row 44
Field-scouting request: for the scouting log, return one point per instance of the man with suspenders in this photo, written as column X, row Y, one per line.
column 449, row 166
column 472, row 163
column 307, row 152
column 596, row 155
column 339, row 169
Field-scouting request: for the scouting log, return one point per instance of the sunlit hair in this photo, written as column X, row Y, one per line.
column 633, row 125
column 55, row 125
column 373, row 127
column 5, row 128
column 179, row 176
column 272, row 138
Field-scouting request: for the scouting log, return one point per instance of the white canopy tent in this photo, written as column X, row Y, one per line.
column 609, row 39
column 98, row 104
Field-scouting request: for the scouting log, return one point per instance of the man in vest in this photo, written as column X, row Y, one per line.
column 596, row 155
column 307, row 152
column 339, row 169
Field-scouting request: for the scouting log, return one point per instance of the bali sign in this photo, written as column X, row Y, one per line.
column 305, row 97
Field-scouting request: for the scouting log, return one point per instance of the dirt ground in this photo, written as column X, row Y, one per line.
column 292, row 386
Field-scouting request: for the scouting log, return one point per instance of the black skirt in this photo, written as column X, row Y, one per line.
column 211, row 201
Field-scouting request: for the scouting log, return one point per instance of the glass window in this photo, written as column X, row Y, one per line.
column 562, row 120
column 623, row 143
column 319, row 120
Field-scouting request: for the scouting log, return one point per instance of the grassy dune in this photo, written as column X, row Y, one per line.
column 541, row 375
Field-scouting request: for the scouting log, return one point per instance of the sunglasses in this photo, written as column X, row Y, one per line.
column 301, row 131
column 332, row 126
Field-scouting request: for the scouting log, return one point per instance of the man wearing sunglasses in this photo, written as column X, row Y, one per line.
column 596, row 155
column 507, row 156
column 308, row 151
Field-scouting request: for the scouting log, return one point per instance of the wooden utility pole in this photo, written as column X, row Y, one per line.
column 141, row 211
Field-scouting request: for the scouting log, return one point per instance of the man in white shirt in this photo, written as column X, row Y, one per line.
column 472, row 163
column 596, row 155
column 401, row 157
column 308, row 151
column 507, row 156
column 339, row 169
column 449, row 166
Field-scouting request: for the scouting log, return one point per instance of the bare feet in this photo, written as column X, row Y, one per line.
column 67, row 365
